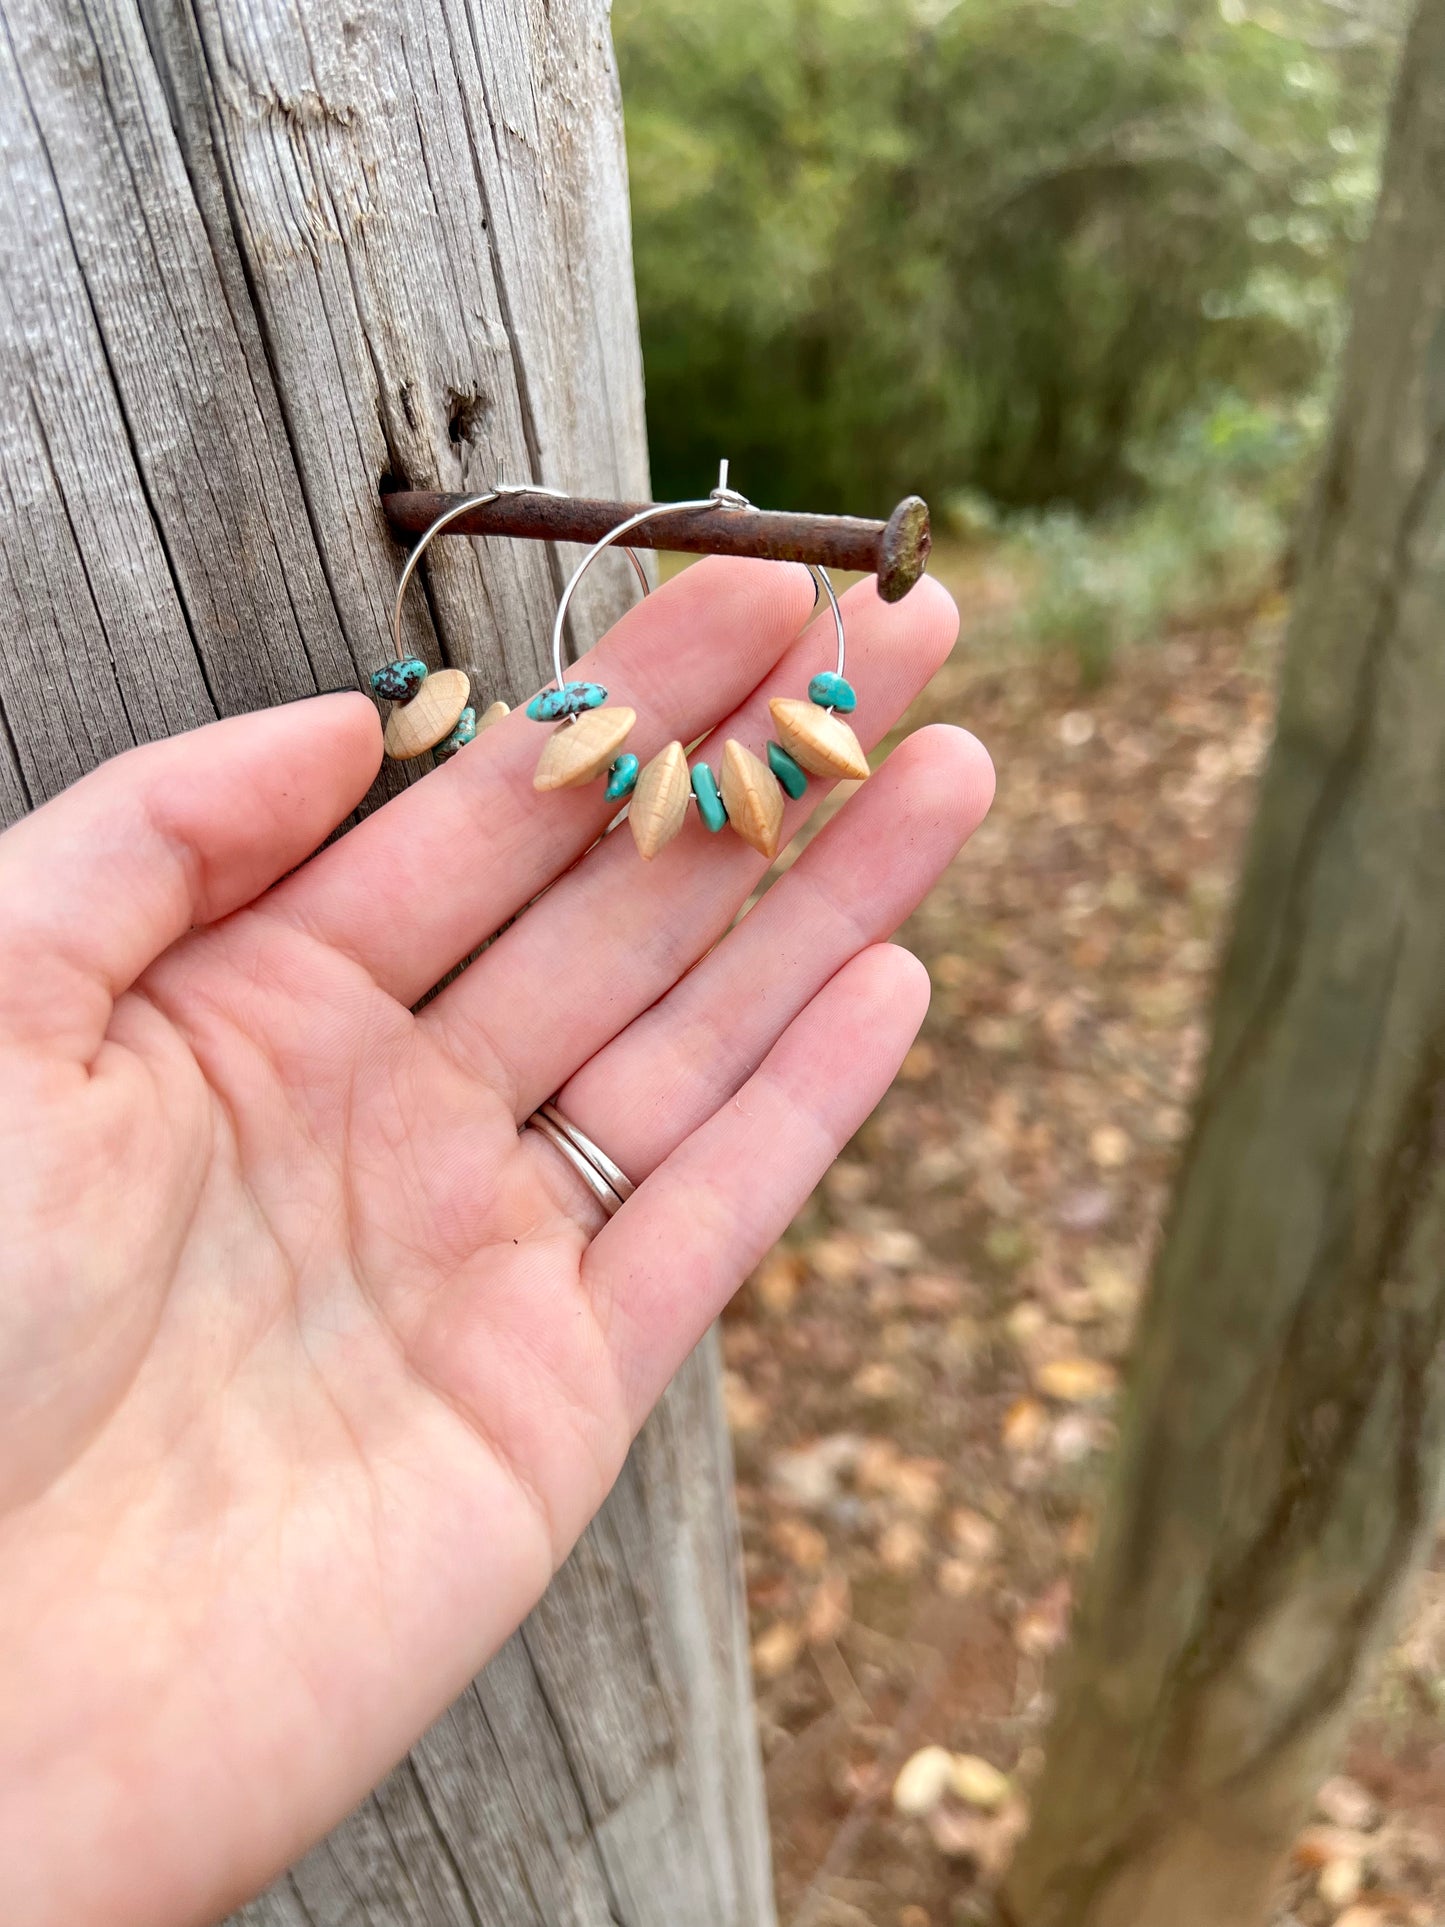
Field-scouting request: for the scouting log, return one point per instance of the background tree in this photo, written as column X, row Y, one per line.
column 258, row 262
column 1284, row 1440
column 1000, row 246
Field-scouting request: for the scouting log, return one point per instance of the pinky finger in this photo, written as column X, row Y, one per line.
column 665, row 1266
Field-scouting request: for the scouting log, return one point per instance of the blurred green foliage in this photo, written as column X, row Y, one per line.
column 1017, row 250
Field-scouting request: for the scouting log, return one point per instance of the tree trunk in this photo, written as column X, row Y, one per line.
column 1283, row 1443
column 256, row 257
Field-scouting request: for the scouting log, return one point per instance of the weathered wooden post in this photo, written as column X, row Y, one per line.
column 257, row 256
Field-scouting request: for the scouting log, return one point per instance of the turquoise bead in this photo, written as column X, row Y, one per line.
column 464, row 732
column 792, row 776
column 830, row 691
column 570, row 700
column 622, row 778
column 398, row 682
column 709, row 797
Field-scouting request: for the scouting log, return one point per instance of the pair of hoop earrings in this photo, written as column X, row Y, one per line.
column 748, row 792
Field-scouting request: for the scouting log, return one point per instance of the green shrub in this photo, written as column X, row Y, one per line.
column 1205, row 537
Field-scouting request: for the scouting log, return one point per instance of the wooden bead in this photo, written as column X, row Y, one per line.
column 753, row 798
column 578, row 752
column 825, row 745
column 430, row 717
column 493, row 713
column 659, row 802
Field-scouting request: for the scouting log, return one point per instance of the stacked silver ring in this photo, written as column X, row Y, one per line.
column 607, row 1182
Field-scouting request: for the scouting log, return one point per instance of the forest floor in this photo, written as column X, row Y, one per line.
column 921, row 1379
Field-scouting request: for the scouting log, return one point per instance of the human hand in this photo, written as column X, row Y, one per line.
column 312, row 1368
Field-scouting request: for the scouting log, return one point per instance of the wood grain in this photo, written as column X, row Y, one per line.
column 578, row 752
column 258, row 258
column 659, row 800
column 753, row 798
column 433, row 712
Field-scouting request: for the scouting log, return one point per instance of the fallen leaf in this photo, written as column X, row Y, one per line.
column 1339, row 1883
column 1082, row 1532
column 903, row 1547
column 973, row 1535
column 959, row 1577
column 921, row 1062
column 1112, row 1282
column 1076, row 1381
column 744, row 1410
column 960, row 1834
column 1024, row 1426
column 849, row 1182
column 879, row 1382
column 777, row 1281
column 978, row 1783
column 836, row 1260
column 800, row 1544
column 1025, row 1323
column 932, row 1291
column 893, row 1248
column 775, row 1650
column 809, row 1475
column 876, row 1463
column 988, row 1839
column 1345, row 1803
column 828, row 1610
column 918, row 1485
column 1109, row 1147
column 1318, row 1846
column 1042, row 1627
column 922, row 1781
column 1089, row 1209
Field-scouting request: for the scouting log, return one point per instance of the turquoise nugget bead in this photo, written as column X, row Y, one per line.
column 792, row 776
column 463, row 734
column 398, row 682
column 570, row 700
column 830, row 691
column 709, row 798
column 622, row 778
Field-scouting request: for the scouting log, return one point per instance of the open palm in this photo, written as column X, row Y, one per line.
column 313, row 1367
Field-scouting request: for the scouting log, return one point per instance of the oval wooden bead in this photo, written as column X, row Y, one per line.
column 752, row 797
column 578, row 752
column 493, row 713
column 659, row 802
column 825, row 745
column 430, row 717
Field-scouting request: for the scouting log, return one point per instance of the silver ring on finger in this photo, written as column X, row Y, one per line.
column 602, row 1177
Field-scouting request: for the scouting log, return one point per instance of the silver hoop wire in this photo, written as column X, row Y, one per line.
column 449, row 516
column 722, row 497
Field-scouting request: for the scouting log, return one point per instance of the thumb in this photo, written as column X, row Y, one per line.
column 96, row 884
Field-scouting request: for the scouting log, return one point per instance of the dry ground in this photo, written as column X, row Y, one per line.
column 921, row 1378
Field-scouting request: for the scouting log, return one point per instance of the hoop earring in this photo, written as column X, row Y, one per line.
column 432, row 710
column 750, row 796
